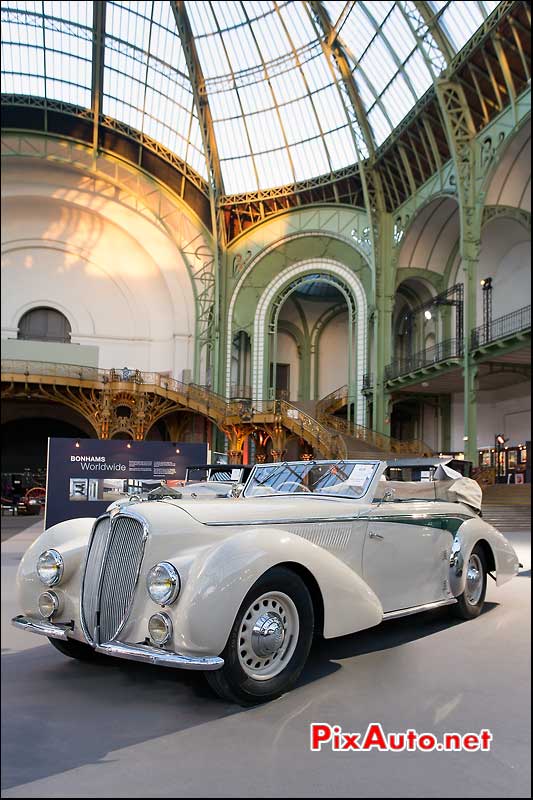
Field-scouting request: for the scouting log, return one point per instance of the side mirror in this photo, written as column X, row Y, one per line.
column 237, row 490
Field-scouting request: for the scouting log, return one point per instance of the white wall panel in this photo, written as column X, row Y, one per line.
column 119, row 278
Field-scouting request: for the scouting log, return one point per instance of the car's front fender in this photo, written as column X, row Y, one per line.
column 220, row 578
column 70, row 538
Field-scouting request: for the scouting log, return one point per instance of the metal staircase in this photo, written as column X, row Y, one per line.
column 362, row 442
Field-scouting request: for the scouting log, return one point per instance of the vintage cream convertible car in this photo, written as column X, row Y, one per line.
column 238, row 586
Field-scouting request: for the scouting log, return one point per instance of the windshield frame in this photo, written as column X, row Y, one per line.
column 379, row 466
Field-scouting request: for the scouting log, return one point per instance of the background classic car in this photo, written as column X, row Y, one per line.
column 237, row 587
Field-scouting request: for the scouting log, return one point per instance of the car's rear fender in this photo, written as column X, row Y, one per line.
column 501, row 556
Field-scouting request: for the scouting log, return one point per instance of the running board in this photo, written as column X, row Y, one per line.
column 405, row 612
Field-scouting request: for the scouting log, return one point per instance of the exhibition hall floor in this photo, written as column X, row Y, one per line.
column 126, row 730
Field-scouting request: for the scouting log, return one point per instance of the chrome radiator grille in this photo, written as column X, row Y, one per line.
column 111, row 574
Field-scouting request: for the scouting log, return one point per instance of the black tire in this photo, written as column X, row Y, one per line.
column 75, row 649
column 232, row 682
column 465, row 608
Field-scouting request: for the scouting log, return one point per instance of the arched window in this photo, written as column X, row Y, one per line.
column 45, row 325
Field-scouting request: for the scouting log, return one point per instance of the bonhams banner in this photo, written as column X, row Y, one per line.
column 85, row 475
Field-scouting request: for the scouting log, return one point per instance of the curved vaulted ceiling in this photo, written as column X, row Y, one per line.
column 255, row 87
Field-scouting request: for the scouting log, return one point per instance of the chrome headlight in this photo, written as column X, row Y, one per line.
column 160, row 628
column 163, row 583
column 48, row 604
column 50, row 567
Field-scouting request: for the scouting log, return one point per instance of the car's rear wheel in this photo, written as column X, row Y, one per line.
column 269, row 641
column 470, row 603
column 75, row 649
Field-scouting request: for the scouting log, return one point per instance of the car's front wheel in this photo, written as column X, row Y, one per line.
column 470, row 602
column 269, row 641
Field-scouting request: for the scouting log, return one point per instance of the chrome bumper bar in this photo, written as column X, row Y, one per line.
column 131, row 652
column 154, row 655
column 42, row 628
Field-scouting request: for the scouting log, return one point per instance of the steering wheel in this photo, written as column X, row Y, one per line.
column 293, row 483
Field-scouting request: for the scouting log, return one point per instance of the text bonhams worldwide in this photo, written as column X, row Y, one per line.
column 107, row 467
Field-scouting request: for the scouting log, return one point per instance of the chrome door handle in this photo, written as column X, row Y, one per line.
column 374, row 535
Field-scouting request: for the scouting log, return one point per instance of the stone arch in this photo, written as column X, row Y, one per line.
column 276, row 258
column 430, row 236
column 354, row 287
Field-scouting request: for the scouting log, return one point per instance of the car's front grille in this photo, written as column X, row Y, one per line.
column 111, row 573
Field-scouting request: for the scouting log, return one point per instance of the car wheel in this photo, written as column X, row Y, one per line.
column 269, row 641
column 74, row 649
column 470, row 602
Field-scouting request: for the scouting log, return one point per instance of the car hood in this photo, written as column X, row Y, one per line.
column 242, row 510
column 186, row 527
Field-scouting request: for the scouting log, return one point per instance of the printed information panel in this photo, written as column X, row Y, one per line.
column 85, row 475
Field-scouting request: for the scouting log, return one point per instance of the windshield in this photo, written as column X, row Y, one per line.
column 338, row 478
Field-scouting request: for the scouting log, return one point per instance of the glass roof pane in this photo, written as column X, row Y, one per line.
column 397, row 31
column 309, row 159
column 380, row 125
column 265, row 131
column 299, row 121
column 318, row 72
column 295, row 19
column 274, row 168
column 212, row 56
column 232, row 137
column 357, row 31
column 418, row 73
column 256, row 97
column 459, row 20
column 144, row 63
column 379, row 65
column 397, row 100
column 56, row 45
column 340, row 147
column 288, row 86
column 241, row 54
column 378, row 8
column 271, row 37
column 239, row 175
column 329, row 108
column 224, row 105
column 273, row 94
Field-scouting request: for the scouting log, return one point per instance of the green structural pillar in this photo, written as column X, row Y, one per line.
column 382, row 329
column 469, row 367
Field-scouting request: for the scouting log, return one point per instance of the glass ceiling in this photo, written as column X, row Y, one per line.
column 275, row 95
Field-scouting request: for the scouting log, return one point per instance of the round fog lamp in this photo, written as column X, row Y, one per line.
column 163, row 583
column 160, row 628
column 48, row 604
column 50, row 567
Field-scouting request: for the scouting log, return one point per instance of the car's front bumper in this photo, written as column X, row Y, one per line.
column 43, row 628
column 131, row 652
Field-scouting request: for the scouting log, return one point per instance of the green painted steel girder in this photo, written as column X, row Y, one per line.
column 97, row 79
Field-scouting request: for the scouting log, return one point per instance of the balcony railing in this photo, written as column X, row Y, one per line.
column 509, row 324
column 451, row 348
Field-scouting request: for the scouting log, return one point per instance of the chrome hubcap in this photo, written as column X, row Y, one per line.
column 474, row 580
column 268, row 635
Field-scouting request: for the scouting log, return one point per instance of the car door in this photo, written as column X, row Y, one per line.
column 406, row 555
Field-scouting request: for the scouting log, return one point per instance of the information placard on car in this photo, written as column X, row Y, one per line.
column 85, row 475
